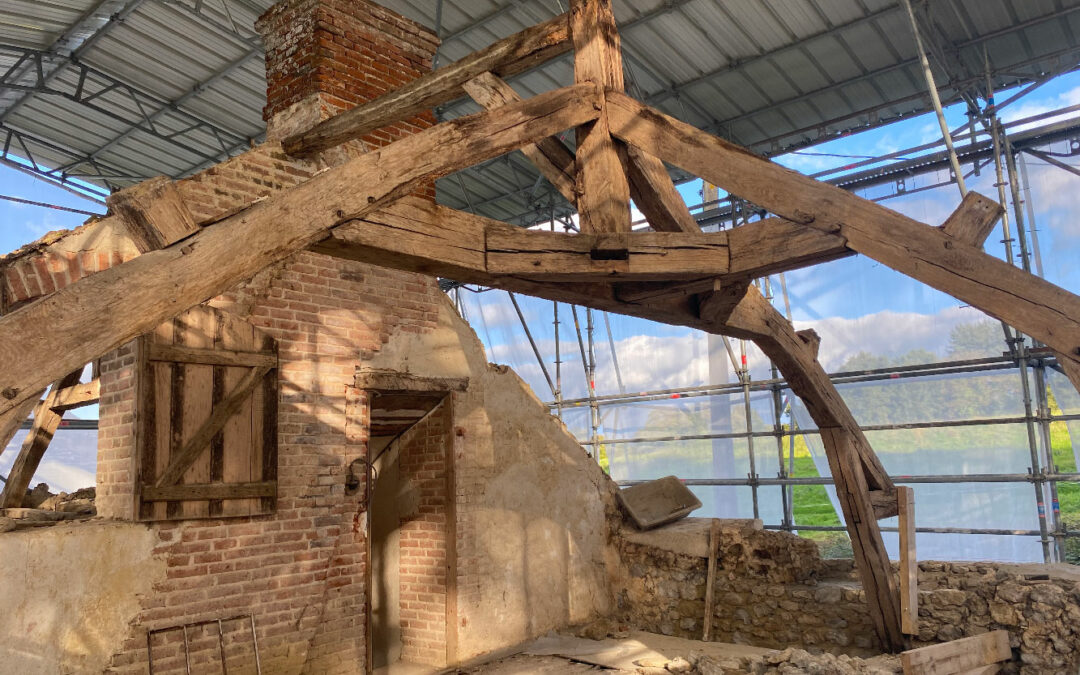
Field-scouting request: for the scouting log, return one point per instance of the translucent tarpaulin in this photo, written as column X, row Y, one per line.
column 966, row 420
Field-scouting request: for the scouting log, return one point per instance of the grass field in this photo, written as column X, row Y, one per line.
column 811, row 503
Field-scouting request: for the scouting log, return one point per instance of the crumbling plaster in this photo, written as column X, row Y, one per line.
column 69, row 591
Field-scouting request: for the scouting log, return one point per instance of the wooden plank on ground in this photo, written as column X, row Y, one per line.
column 603, row 190
column 710, row 578
column 153, row 213
column 43, row 341
column 46, row 422
column 909, row 563
column 958, row 656
column 509, row 56
column 1034, row 306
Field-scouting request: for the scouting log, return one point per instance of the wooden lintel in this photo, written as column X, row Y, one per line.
column 77, row 396
column 201, row 491
column 973, row 220
column 509, row 56
column 210, row 357
column 153, row 213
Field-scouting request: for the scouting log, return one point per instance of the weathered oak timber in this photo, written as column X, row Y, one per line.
column 200, row 439
column 210, row 357
column 603, row 191
column 655, row 194
column 776, row 245
column 852, row 461
column 512, row 55
column 12, row 419
column 958, row 656
column 973, row 221
column 650, row 184
column 909, row 564
column 46, row 422
column 141, row 293
column 754, row 318
column 553, row 256
column 927, row 254
column 871, row 558
column 77, row 396
column 153, row 213
column 550, row 157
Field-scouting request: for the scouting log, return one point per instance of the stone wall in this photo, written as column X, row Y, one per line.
column 773, row 590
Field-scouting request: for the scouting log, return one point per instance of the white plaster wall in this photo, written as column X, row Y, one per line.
column 69, row 593
column 531, row 520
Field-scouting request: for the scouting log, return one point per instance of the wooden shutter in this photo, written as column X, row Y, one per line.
column 206, row 409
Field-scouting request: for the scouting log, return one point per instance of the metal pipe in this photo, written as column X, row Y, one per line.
column 870, row 427
column 532, row 342
column 1036, row 249
column 935, row 100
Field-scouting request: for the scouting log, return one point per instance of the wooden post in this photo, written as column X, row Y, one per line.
column 909, row 565
column 714, row 548
column 154, row 214
column 603, row 191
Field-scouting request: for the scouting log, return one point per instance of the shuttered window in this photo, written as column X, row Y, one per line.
column 206, row 414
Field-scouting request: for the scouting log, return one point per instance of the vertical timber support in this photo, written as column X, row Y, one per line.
column 851, row 460
column 603, row 191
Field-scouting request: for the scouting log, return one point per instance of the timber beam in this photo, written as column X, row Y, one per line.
column 507, row 57
column 139, row 294
column 928, row 254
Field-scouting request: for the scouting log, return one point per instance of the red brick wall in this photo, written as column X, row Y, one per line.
column 423, row 461
column 302, row 570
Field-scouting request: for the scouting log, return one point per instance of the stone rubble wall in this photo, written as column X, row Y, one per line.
column 772, row 589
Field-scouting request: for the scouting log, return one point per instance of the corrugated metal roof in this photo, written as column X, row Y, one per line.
column 172, row 86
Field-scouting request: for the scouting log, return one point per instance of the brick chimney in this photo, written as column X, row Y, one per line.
column 325, row 56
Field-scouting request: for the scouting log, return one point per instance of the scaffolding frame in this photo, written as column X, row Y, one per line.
column 991, row 144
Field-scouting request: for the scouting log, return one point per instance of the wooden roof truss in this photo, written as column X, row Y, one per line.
column 676, row 275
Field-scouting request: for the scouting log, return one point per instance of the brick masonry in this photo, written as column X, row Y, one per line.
column 302, row 571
